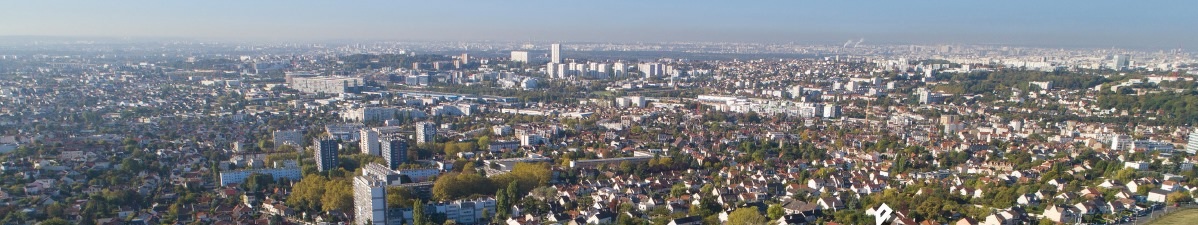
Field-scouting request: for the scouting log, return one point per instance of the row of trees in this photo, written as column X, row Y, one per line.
column 985, row 82
column 469, row 182
column 365, row 61
column 317, row 193
column 1177, row 109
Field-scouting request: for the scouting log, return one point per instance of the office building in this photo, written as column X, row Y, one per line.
column 395, row 151
column 520, row 56
column 325, row 154
column 555, row 53
column 328, row 85
column 369, row 142
column 426, row 132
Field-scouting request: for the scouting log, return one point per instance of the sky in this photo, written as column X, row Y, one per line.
column 1124, row 24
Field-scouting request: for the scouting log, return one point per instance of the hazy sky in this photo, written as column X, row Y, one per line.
column 1158, row 24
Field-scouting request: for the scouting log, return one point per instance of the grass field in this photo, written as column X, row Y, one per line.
column 1185, row 216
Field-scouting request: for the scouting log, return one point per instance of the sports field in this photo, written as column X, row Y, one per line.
column 1185, row 216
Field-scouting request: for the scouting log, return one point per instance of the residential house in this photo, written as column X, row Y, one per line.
column 1158, row 195
column 830, row 203
column 1060, row 214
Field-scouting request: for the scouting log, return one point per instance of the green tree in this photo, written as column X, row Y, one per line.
column 55, row 221
column 338, row 195
column 399, row 197
column 511, row 191
column 418, row 217
column 500, row 201
column 307, row 194
column 484, row 142
column 1178, row 197
column 258, row 182
column 775, row 211
column 452, row 149
column 452, row 186
column 1125, row 175
column 678, row 189
column 527, row 176
column 1047, row 222
column 746, row 216
column 264, row 144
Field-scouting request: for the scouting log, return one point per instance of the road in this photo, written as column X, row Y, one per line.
column 1157, row 214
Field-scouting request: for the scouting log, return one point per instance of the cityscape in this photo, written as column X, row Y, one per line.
column 130, row 126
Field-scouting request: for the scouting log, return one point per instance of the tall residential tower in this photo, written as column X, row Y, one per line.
column 369, row 143
column 555, row 53
column 395, row 151
column 325, row 154
column 1192, row 145
column 370, row 200
column 426, row 132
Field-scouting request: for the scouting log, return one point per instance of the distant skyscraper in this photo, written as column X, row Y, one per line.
column 395, row 151
column 1122, row 62
column 551, row 69
column 555, row 53
column 1192, row 146
column 426, row 132
column 325, row 154
column 619, row 69
column 561, row 70
column 520, row 56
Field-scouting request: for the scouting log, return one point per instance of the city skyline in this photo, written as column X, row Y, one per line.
column 1046, row 24
column 606, row 113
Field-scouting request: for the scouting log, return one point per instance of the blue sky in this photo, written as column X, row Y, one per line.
column 1158, row 24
